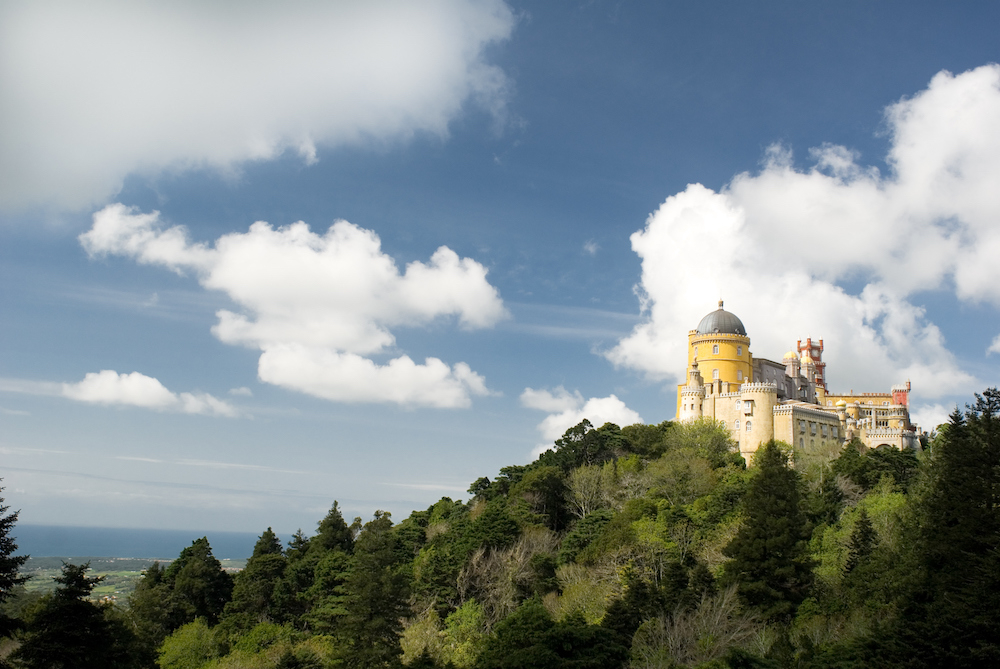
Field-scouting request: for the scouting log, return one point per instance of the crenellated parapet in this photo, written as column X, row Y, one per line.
column 763, row 387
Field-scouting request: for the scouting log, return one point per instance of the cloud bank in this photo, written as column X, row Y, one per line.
column 111, row 388
column 838, row 250
column 317, row 307
column 567, row 409
column 95, row 91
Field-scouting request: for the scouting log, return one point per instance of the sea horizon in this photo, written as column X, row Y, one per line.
column 126, row 542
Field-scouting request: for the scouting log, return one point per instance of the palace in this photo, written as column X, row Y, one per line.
column 759, row 399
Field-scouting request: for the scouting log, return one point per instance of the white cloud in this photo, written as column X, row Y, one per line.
column 929, row 416
column 551, row 401
column 568, row 409
column 317, row 306
column 591, row 248
column 183, row 84
column 994, row 346
column 242, row 391
column 347, row 377
column 135, row 389
column 780, row 245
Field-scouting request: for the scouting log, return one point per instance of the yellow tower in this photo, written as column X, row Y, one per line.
column 759, row 400
column 722, row 348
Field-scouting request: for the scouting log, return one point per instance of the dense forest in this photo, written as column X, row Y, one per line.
column 644, row 546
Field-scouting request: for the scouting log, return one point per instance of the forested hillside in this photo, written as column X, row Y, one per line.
column 643, row 546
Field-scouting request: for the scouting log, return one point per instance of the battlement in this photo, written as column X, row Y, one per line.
column 884, row 432
column 759, row 387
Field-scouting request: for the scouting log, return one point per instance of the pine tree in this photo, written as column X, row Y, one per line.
column 267, row 544
column 770, row 558
column 199, row 586
column 862, row 541
column 376, row 598
column 10, row 564
column 950, row 618
column 70, row 631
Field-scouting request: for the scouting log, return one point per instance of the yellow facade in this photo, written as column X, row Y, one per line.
column 729, row 354
column 789, row 402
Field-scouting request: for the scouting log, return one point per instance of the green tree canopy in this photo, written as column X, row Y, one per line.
column 770, row 558
column 70, row 631
column 10, row 564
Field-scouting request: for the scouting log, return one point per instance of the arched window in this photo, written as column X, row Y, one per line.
column 739, row 350
column 737, row 423
column 715, row 349
column 696, row 351
column 748, row 426
column 738, row 405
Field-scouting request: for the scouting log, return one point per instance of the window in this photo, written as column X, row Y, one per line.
column 696, row 351
column 737, row 423
column 802, row 426
column 739, row 350
column 715, row 373
column 824, row 430
column 812, row 428
column 834, row 433
column 829, row 403
column 737, row 405
column 715, row 349
column 885, row 404
column 748, row 426
column 802, row 442
column 739, row 375
column 748, row 406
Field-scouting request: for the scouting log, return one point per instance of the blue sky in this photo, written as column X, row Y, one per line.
column 511, row 214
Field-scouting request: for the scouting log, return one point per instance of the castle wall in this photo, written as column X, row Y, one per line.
column 758, row 400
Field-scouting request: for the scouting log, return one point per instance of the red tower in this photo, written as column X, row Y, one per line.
column 815, row 351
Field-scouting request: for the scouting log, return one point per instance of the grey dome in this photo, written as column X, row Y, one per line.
column 721, row 321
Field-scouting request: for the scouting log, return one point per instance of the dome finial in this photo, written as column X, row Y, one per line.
column 720, row 302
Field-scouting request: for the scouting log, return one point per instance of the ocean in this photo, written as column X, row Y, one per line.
column 65, row 541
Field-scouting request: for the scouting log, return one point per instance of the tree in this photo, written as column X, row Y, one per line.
column 333, row 532
column 68, row 631
column 950, row 617
column 10, row 564
column 770, row 559
column 530, row 639
column 375, row 603
column 267, row 544
column 584, row 445
column 199, row 585
column 542, row 491
column 862, row 541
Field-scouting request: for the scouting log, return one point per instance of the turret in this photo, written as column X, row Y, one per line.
column 757, row 416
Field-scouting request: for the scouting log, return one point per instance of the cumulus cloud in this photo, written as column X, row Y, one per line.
column 838, row 250
column 567, row 409
column 318, row 307
column 929, row 416
column 181, row 84
column 110, row 388
column 994, row 346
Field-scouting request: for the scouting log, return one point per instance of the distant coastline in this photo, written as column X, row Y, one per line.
column 64, row 540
